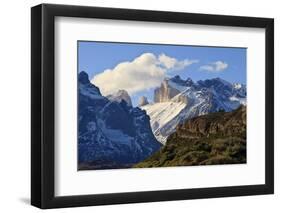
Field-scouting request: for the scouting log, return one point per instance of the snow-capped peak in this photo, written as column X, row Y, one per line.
column 177, row 100
column 119, row 96
column 237, row 86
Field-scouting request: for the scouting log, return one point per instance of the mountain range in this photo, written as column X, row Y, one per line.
column 177, row 100
column 112, row 133
column 183, row 116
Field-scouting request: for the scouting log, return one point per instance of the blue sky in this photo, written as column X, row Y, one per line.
column 196, row 62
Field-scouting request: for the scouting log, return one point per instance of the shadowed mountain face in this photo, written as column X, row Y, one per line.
column 216, row 138
column 112, row 134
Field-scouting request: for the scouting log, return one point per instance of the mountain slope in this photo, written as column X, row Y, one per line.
column 162, row 117
column 112, row 134
column 216, row 138
column 177, row 100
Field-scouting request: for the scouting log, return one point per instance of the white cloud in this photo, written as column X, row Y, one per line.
column 142, row 73
column 217, row 66
column 173, row 63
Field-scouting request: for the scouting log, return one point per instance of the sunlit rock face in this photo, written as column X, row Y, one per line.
column 143, row 101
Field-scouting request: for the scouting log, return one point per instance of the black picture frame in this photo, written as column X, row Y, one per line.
column 43, row 102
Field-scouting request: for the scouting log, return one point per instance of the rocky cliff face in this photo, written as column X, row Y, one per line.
column 164, row 93
column 216, row 138
column 226, row 124
column 169, row 88
column 143, row 101
column 112, row 134
column 119, row 96
column 177, row 100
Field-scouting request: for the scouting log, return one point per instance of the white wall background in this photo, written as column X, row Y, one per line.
column 15, row 105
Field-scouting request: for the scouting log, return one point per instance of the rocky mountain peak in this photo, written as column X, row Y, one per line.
column 143, row 101
column 189, row 82
column 171, row 87
column 237, row 86
column 214, row 82
column 83, row 77
column 119, row 96
column 165, row 92
column 86, row 87
column 177, row 79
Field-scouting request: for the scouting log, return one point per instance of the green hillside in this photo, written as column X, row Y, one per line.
column 216, row 138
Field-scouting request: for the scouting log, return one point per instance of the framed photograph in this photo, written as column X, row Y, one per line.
column 139, row 106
